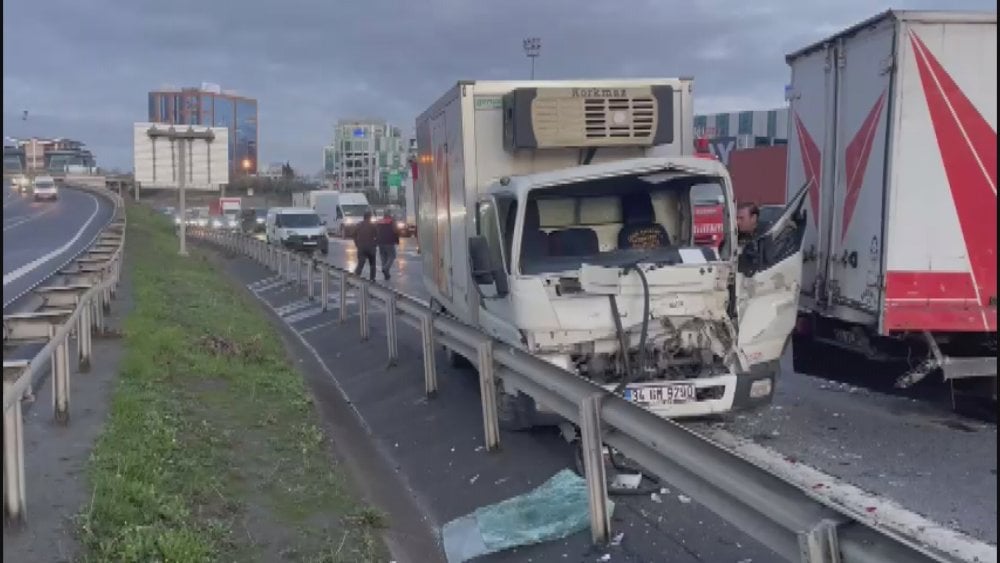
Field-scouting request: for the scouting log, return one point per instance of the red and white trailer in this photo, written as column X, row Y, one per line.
column 893, row 121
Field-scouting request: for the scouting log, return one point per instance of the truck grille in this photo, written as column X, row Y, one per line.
column 636, row 117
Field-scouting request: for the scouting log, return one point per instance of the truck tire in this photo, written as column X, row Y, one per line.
column 515, row 413
column 457, row 360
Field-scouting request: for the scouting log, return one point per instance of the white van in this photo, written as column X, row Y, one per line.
column 45, row 188
column 298, row 228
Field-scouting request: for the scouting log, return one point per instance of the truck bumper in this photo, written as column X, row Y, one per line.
column 713, row 395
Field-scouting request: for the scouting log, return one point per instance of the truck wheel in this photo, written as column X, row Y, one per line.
column 457, row 360
column 515, row 413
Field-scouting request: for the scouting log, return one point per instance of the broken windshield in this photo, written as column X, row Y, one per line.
column 615, row 222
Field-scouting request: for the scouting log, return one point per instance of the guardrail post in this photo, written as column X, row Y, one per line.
column 106, row 299
column 310, row 289
column 343, row 297
column 324, row 287
column 14, row 496
column 98, row 311
column 60, row 379
column 363, row 311
column 488, row 394
column 390, row 329
column 83, row 339
column 592, row 447
column 819, row 544
column 427, row 341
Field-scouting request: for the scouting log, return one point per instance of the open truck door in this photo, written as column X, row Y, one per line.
column 769, row 276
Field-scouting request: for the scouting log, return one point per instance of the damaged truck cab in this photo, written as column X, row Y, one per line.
column 594, row 265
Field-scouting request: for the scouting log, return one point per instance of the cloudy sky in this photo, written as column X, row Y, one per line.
column 82, row 68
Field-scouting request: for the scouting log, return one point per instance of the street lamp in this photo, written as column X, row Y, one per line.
column 246, row 165
column 532, row 48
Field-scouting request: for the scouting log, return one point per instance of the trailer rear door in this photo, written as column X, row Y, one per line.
column 941, row 261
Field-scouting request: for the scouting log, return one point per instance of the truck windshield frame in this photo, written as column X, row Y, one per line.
column 297, row 220
column 354, row 209
column 615, row 221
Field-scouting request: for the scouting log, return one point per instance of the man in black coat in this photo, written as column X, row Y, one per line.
column 387, row 238
column 365, row 241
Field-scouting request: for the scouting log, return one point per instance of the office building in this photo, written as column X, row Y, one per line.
column 45, row 155
column 211, row 106
column 739, row 130
column 366, row 154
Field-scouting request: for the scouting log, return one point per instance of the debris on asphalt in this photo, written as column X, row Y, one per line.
column 617, row 539
column 554, row 510
column 655, row 498
column 684, row 499
column 473, row 480
column 605, row 557
column 627, row 481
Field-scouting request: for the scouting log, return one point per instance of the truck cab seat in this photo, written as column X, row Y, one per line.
column 640, row 228
column 535, row 242
column 574, row 241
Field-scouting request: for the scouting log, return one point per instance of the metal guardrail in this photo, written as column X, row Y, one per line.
column 75, row 309
column 786, row 517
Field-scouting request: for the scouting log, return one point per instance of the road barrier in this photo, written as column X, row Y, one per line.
column 75, row 309
column 789, row 518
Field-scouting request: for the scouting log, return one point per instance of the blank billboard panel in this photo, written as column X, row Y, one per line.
column 158, row 159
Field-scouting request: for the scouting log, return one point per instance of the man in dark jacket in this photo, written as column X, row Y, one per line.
column 387, row 239
column 365, row 241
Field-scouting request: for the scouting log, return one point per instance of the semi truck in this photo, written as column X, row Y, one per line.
column 558, row 217
column 893, row 124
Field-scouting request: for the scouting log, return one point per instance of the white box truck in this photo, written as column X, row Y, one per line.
column 558, row 217
column 894, row 123
column 339, row 211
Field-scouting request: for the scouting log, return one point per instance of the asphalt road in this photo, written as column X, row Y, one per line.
column 916, row 453
column 40, row 237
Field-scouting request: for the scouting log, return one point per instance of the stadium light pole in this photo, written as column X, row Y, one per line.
column 532, row 48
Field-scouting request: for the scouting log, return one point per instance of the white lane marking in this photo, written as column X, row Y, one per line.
column 319, row 326
column 877, row 511
column 34, row 264
column 18, row 221
column 325, row 368
column 303, row 315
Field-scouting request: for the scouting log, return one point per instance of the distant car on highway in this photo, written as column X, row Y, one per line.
column 45, row 188
column 253, row 220
column 21, row 183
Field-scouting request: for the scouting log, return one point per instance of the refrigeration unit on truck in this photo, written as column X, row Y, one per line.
column 559, row 218
column 893, row 121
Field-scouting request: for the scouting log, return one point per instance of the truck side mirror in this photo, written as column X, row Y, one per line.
column 483, row 269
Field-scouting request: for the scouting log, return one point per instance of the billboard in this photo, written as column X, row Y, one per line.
column 164, row 155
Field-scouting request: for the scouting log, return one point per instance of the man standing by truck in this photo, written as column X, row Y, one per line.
column 747, row 215
column 387, row 237
column 365, row 237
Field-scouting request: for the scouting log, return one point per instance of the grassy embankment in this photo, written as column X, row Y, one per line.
column 212, row 451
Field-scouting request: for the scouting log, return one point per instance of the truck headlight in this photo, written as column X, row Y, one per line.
column 760, row 388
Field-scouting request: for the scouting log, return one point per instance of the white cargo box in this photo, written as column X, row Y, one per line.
column 894, row 122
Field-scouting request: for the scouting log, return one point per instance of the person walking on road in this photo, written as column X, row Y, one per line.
column 365, row 241
column 387, row 239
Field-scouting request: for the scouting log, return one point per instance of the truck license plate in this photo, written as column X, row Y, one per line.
column 661, row 394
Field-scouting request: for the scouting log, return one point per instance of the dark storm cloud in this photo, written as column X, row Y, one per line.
column 82, row 69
